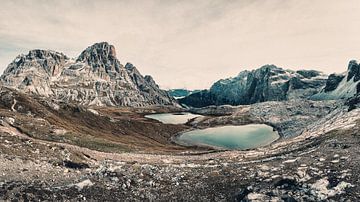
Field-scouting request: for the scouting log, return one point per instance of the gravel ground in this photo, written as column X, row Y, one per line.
column 321, row 163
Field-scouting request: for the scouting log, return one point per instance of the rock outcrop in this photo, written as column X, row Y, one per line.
column 353, row 71
column 341, row 86
column 96, row 77
column 333, row 82
column 268, row 83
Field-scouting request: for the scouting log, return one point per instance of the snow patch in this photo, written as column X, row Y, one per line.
column 279, row 81
column 345, row 89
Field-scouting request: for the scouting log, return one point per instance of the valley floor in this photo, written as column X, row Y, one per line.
column 44, row 157
column 320, row 168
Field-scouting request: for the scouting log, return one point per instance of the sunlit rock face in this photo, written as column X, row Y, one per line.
column 268, row 83
column 95, row 77
column 33, row 72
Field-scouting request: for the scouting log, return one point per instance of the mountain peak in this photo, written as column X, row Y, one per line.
column 129, row 66
column 102, row 50
column 269, row 66
column 42, row 60
column 96, row 78
column 43, row 54
column 101, row 57
column 267, row 83
column 353, row 71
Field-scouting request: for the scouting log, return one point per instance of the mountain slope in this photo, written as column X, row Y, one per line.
column 342, row 86
column 96, row 77
column 268, row 83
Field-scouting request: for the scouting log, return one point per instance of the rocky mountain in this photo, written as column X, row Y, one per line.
column 341, row 86
column 95, row 77
column 268, row 83
column 71, row 152
column 181, row 93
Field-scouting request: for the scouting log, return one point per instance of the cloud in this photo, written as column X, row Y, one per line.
column 189, row 43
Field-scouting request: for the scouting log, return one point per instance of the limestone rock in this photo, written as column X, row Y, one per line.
column 342, row 86
column 268, row 83
column 96, row 77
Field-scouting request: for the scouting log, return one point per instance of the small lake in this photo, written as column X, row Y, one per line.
column 231, row 137
column 172, row 118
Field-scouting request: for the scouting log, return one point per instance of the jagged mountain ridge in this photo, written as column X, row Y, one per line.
column 95, row 77
column 342, row 86
column 268, row 83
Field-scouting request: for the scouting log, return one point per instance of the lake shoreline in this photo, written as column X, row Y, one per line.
column 226, row 134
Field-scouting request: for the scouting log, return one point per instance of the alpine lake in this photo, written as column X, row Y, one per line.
column 223, row 137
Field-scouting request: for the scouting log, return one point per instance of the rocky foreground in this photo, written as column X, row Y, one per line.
column 51, row 152
column 313, row 169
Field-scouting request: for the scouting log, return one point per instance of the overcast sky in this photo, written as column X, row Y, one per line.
column 189, row 43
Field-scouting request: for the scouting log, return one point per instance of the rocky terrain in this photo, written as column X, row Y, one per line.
column 268, row 83
column 320, row 164
column 340, row 86
column 290, row 118
column 74, row 130
column 271, row 83
column 95, row 77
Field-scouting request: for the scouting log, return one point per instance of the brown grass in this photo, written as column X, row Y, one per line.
column 114, row 130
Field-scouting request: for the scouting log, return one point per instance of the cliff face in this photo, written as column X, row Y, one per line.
column 96, row 77
column 268, row 83
column 342, row 86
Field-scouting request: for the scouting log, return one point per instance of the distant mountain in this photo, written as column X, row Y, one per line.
column 181, row 93
column 95, row 77
column 268, row 83
column 340, row 86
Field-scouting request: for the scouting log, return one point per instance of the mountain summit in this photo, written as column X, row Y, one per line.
column 101, row 57
column 342, row 86
column 95, row 77
column 267, row 83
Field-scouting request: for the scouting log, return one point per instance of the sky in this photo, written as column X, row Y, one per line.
column 190, row 43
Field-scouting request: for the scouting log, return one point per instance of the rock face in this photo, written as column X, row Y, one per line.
column 353, row 71
column 268, row 83
column 290, row 118
column 333, row 82
column 96, row 77
column 341, row 86
column 33, row 72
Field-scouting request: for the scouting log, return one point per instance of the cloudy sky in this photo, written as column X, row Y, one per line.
column 189, row 43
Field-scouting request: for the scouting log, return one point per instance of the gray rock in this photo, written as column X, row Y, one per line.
column 342, row 86
column 96, row 77
column 268, row 83
column 333, row 82
column 353, row 71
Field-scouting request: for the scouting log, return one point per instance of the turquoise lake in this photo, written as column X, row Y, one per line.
column 173, row 118
column 231, row 137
